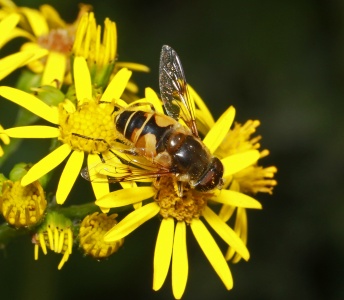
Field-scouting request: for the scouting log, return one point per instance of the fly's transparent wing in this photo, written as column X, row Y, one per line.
column 124, row 166
column 174, row 89
column 119, row 172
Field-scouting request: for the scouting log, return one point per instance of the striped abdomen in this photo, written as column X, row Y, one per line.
column 148, row 131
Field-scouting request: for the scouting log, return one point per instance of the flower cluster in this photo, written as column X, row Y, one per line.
column 83, row 100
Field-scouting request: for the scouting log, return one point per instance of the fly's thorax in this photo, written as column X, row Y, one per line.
column 189, row 155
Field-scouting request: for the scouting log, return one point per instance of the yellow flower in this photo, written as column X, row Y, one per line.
column 85, row 128
column 92, row 230
column 249, row 180
column 22, row 206
column 100, row 52
column 11, row 62
column 55, row 234
column 178, row 212
column 48, row 34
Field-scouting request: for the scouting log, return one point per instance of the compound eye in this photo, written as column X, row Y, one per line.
column 212, row 177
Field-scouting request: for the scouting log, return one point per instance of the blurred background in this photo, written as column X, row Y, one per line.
column 281, row 62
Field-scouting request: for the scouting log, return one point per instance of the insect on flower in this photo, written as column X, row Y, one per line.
column 168, row 148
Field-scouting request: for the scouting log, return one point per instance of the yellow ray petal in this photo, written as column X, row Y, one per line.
column 153, row 98
column 240, row 228
column 35, row 131
column 100, row 189
column 238, row 199
column 126, row 196
column 132, row 66
column 37, row 21
column 52, row 15
column 163, row 252
column 30, row 46
column 226, row 212
column 212, row 252
column 18, row 32
column 11, row 62
column 82, row 79
column 132, row 221
column 69, row 176
column 236, row 162
column 226, row 233
column 202, row 123
column 55, row 68
column 6, row 26
column 117, row 86
column 35, row 64
column 202, row 107
column 46, row 164
column 37, row 54
column 31, row 103
column 109, row 156
column 180, row 267
column 218, row 132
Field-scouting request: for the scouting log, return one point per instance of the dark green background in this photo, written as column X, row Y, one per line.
column 281, row 62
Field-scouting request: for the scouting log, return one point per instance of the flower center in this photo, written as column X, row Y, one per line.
column 22, row 206
column 90, row 128
column 59, row 40
column 91, row 235
column 185, row 208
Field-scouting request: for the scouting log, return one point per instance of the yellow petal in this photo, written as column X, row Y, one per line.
column 240, row 228
column 55, row 68
column 226, row 233
column 35, row 131
column 180, row 267
column 37, row 21
column 18, row 32
column 126, row 196
column 30, row 46
column 109, row 156
column 82, row 80
column 226, row 212
column 202, row 123
column 153, row 98
column 132, row 221
column 52, row 15
column 238, row 199
column 132, row 66
column 117, row 86
column 100, row 189
column 11, row 62
column 6, row 26
column 236, row 162
column 163, row 252
column 202, row 107
column 212, row 252
column 31, row 103
column 37, row 54
column 217, row 133
column 36, row 65
column 46, row 164
column 69, row 176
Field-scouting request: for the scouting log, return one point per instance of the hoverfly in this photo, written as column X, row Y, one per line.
column 169, row 147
